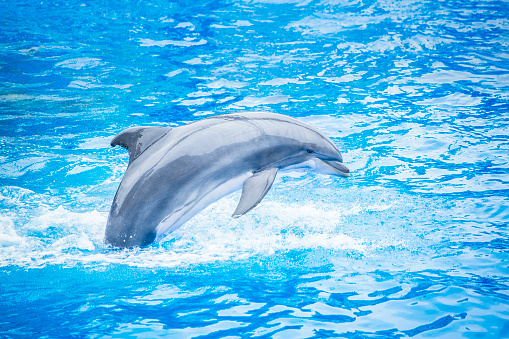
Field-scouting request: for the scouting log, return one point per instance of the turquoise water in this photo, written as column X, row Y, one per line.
column 414, row 244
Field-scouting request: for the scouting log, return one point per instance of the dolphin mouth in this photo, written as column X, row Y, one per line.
column 339, row 168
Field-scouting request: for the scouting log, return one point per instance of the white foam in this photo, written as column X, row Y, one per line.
column 275, row 227
column 62, row 236
column 8, row 236
column 72, row 221
column 53, row 236
column 81, row 242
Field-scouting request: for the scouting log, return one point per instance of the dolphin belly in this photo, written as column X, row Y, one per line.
column 194, row 206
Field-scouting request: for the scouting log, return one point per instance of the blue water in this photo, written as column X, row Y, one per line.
column 414, row 244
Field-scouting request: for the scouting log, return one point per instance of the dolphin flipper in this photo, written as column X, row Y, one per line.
column 254, row 190
column 137, row 139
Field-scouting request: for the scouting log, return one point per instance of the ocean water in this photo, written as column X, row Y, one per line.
column 414, row 244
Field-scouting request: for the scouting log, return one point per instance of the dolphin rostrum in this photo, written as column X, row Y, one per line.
column 174, row 173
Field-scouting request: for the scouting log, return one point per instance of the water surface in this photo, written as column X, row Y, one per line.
column 414, row 244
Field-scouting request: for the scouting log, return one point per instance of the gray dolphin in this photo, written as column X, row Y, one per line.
column 174, row 173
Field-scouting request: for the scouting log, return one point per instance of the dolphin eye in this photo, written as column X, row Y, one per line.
column 309, row 151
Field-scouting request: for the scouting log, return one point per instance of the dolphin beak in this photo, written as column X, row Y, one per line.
column 338, row 168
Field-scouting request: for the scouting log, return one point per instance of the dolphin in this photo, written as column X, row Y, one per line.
column 174, row 173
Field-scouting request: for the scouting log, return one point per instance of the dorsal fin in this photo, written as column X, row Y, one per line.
column 137, row 139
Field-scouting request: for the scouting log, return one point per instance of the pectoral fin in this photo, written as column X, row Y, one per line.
column 254, row 190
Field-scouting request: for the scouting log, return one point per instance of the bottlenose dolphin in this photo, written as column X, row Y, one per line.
column 174, row 173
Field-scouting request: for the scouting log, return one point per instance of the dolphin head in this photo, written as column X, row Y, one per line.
column 316, row 152
column 325, row 158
